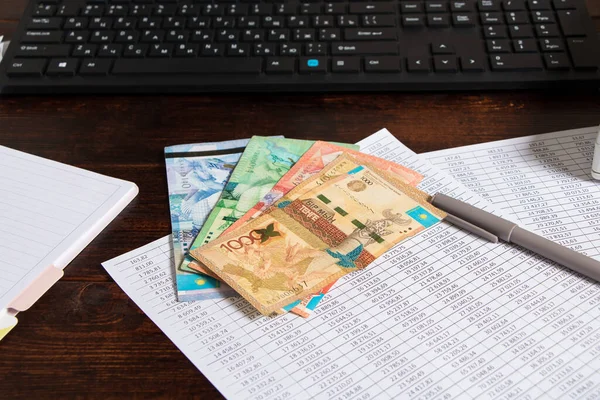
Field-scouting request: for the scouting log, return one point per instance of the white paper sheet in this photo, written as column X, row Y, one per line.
column 48, row 213
column 543, row 180
column 442, row 315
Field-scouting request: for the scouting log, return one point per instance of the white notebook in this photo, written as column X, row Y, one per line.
column 49, row 212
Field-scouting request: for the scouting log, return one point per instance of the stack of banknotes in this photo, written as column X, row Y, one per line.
column 278, row 221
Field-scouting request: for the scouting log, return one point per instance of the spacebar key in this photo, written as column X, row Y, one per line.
column 199, row 66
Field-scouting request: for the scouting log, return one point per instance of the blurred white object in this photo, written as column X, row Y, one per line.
column 596, row 162
column 3, row 47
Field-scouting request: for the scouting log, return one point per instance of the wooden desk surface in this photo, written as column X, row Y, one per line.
column 85, row 337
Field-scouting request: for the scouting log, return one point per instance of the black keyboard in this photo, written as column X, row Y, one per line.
column 169, row 46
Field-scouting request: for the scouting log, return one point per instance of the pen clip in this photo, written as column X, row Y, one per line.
column 461, row 223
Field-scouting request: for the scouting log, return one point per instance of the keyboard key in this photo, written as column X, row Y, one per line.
column 442, row 48
column 44, row 10
column 378, row 20
column 418, row 64
column 127, row 36
column 281, row 65
column 102, row 37
column 411, row 7
column 310, row 9
column 186, row 50
column 195, row 66
column 289, row 49
column 413, row 20
column 248, row 35
column 494, row 32
column 498, row 46
column 85, row 50
column 323, row 21
column 538, row 4
column 584, row 53
column 238, row 50
column 436, row 6
column 95, row 67
column 551, row 45
column 264, row 49
column 136, row 50
column 42, row 37
column 491, row 18
column 20, row 68
column 68, row 10
column 346, row 21
column 110, row 50
column 212, row 50
column 472, row 64
column 438, row 20
column 513, row 5
column 445, row 64
column 372, row 8
column 525, row 46
column 41, row 50
column 549, row 30
column 78, row 37
column 358, row 48
column 488, row 5
column 315, row 49
column 516, row 62
column 160, row 50
column 542, row 17
column 278, row 35
column 311, row 65
column 571, row 23
column 45, row 23
column 336, row 8
column 345, row 64
column 564, row 4
column 382, row 64
column 463, row 20
column 517, row 17
column 370, row 34
column 62, row 67
column 462, row 6
column 558, row 61
column 327, row 34
column 520, row 31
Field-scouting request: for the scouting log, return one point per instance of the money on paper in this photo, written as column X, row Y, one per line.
column 264, row 161
column 312, row 162
column 309, row 239
column 196, row 176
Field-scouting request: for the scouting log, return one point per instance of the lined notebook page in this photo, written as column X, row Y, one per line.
column 48, row 212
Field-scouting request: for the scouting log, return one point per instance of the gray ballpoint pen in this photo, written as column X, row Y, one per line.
column 468, row 217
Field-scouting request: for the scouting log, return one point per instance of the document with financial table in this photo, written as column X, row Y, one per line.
column 444, row 315
column 542, row 180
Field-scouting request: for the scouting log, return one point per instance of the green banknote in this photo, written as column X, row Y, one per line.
column 264, row 161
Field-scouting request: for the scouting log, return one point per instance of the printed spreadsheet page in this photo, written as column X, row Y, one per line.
column 442, row 315
column 544, row 181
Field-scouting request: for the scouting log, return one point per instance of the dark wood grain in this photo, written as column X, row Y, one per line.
column 85, row 337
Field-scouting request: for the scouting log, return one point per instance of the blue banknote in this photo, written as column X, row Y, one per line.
column 196, row 175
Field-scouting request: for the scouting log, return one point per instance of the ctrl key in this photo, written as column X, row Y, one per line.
column 21, row 68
